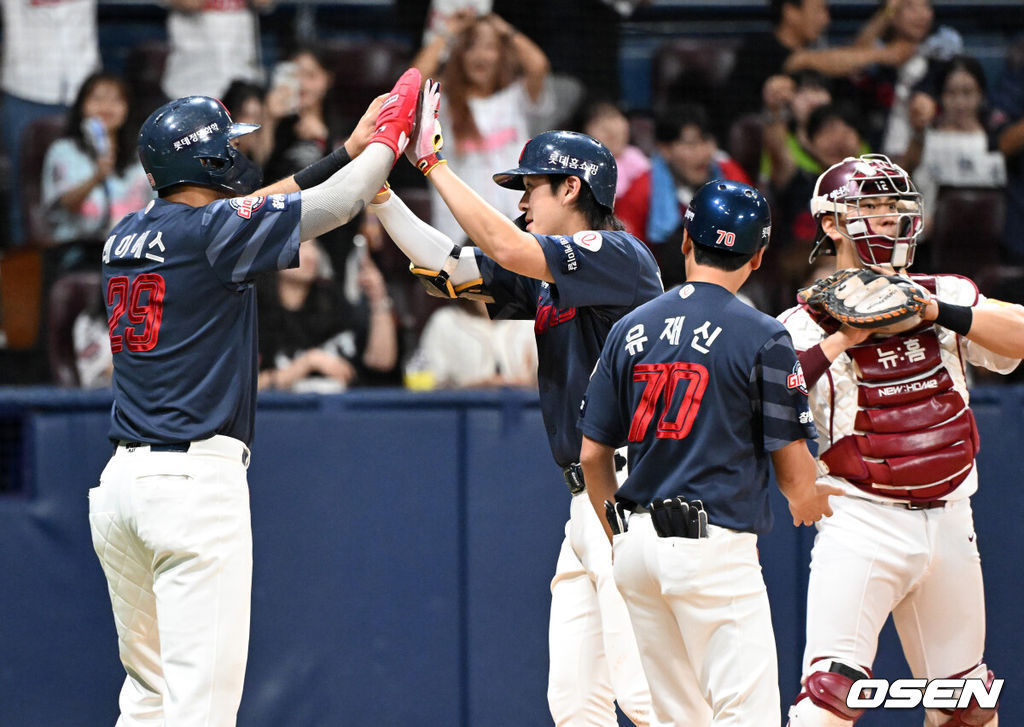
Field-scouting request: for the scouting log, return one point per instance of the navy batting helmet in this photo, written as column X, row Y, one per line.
column 189, row 141
column 566, row 152
column 729, row 216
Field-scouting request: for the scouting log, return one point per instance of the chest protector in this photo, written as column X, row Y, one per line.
column 915, row 437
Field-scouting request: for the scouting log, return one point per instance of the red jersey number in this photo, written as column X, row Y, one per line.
column 661, row 380
column 143, row 301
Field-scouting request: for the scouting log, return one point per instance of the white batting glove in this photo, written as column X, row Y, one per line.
column 427, row 141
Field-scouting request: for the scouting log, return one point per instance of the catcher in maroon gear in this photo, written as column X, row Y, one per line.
column 896, row 433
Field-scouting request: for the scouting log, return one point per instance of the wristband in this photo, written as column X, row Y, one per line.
column 322, row 170
column 957, row 318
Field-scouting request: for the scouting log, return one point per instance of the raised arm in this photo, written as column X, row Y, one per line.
column 494, row 233
column 996, row 326
column 346, row 192
column 320, row 171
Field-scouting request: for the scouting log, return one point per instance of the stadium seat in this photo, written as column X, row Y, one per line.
column 35, row 140
column 966, row 230
column 69, row 296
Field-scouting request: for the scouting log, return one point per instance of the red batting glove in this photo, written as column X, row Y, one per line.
column 397, row 115
column 425, row 149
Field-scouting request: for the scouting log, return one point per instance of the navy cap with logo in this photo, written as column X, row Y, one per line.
column 571, row 153
column 729, row 216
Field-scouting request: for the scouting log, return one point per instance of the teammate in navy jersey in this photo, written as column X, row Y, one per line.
column 170, row 517
column 704, row 389
column 574, row 272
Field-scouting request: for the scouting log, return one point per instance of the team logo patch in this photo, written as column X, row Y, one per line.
column 245, row 206
column 795, row 380
column 686, row 291
column 589, row 240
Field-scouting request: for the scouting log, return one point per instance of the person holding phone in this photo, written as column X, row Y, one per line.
column 91, row 175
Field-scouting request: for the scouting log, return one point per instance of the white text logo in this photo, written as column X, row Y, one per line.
column 935, row 694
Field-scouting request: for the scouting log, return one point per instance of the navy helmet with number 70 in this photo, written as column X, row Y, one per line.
column 729, row 216
column 188, row 141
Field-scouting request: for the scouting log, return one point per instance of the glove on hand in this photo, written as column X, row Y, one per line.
column 425, row 150
column 863, row 298
column 397, row 115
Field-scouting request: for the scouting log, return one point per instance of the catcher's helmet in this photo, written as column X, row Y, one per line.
column 571, row 153
column 189, row 141
column 848, row 188
column 729, row 216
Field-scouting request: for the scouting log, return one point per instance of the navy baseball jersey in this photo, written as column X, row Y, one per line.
column 181, row 306
column 702, row 388
column 599, row 276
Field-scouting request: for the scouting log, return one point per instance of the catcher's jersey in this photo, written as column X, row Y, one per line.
column 920, row 370
column 702, row 388
column 599, row 276
column 181, row 306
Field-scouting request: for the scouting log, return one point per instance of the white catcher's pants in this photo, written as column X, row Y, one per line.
column 594, row 658
column 870, row 559
column 700, row 612
column 172, row 533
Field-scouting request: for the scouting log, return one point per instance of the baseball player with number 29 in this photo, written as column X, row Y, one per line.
column 705, row 390
column 574, row 272
column 897, row 435
column 170, row 516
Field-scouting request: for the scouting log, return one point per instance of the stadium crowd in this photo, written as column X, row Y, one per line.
column 773, row 107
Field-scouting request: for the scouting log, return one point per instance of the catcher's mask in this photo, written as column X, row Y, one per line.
column 854, row 188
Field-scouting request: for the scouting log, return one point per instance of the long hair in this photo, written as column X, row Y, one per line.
column 456, row 83
column 598, row 216
column 127, row 152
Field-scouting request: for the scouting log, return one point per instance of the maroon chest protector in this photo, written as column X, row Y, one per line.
column 915, row 436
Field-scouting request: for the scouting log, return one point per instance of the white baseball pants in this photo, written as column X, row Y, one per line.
column 172, row 532
column 593, row 653
column 870, row 559
column 700, row 611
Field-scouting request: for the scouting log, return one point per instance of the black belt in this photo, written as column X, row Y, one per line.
column 181, row 447
column 926, row 505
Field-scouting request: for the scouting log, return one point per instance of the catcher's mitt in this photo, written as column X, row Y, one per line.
column 862, row 298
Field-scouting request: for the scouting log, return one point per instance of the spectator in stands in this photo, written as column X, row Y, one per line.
column 462, row 347
column 653, row 207
column 298, row 115
column 789, row 100
column 912, row 20
column 497, row 94
column 48, row 50
column 605, row 122
column 91, row 175
column 90, row 337
column 212, row 43
column 833, row 133
column 959, row 147
column 1009, row 103
column 244, row 101
column 794, row 45
column 312, row 338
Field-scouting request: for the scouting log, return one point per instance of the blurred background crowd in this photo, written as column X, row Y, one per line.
column 769, row 92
